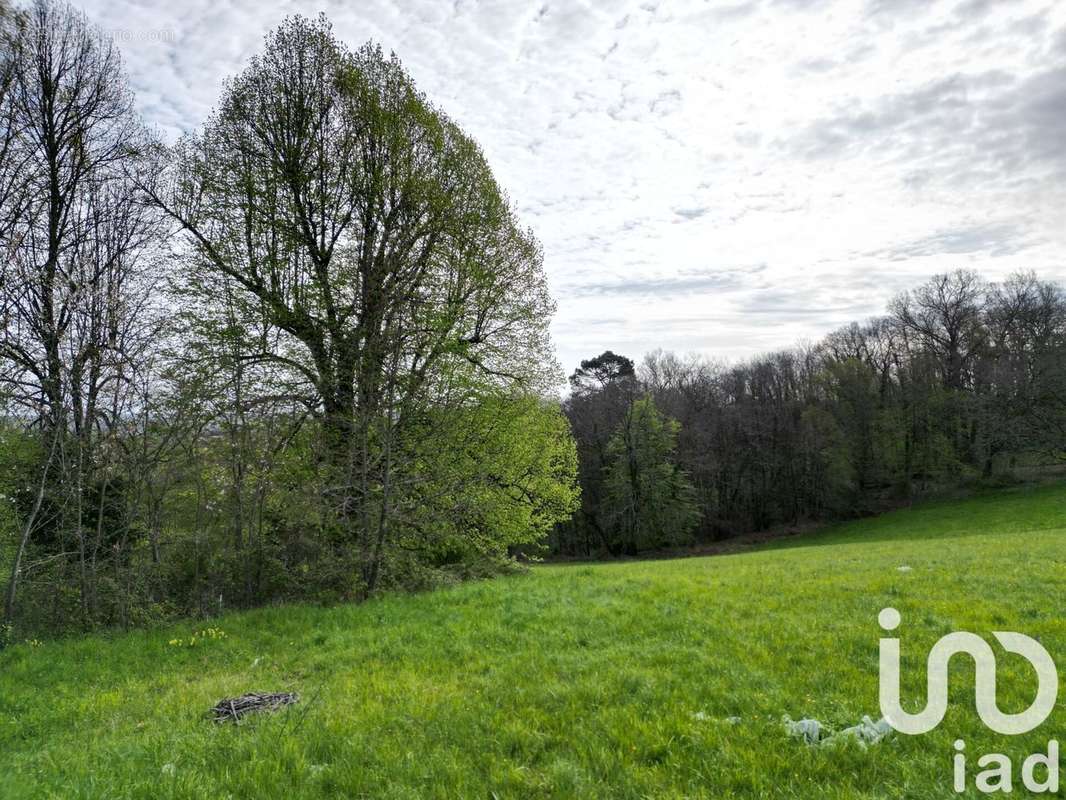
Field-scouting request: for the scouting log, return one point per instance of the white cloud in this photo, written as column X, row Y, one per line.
column 717, row 176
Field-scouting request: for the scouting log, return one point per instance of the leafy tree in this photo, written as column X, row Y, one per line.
column 602, row 390
column 496, row 478
column 330, row 200
column 650, row 499
column 852, row 385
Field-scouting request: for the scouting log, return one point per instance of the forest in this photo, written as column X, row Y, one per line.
column 961, row 384
column 303, row 354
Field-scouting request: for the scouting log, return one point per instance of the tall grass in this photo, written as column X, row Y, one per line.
column 618, row 680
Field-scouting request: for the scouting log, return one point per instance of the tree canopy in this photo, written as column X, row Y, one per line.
column 962, row 383
column 350, row 390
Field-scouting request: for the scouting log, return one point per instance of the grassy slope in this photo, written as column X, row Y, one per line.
column 595, row 681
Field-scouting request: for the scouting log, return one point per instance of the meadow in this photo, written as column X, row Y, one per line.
column 642, row 679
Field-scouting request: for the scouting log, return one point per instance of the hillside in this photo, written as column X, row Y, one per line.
column 614, row 680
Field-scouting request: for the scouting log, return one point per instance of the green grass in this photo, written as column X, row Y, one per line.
column 572, row 681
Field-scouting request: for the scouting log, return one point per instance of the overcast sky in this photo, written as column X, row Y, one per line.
column 723, row 177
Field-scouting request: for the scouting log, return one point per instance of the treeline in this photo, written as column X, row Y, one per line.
column 302, row 353
column 961, row 381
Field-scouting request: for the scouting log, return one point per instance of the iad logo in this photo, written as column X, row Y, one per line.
column 985, row 665
column 998, row 776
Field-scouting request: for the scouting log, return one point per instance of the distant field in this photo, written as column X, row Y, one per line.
column 572, row 681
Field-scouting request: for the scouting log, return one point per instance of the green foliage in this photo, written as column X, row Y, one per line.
column 589, row 681
column 833, row 465
column 649, row 500
column 961, row 385
column 19, row 458
column 493, row 478
column 349, row 249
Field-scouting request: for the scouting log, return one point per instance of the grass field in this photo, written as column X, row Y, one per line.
column 613, row 680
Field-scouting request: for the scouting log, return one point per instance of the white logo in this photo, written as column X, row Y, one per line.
column 985, row 667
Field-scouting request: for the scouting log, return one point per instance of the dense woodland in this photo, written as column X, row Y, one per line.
column 962, row 382
column 303, row 353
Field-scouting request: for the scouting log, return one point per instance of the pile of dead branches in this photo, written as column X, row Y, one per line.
column 236, row 707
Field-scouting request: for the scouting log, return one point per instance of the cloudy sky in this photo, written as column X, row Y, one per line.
column 723, row 177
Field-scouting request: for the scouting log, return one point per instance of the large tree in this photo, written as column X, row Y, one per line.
column 602, row 389
column 366, row 230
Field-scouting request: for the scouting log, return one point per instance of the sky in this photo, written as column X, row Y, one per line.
column 726, row 178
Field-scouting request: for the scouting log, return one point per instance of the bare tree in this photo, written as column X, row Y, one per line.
column 945, row 315
column 75, row 235
column 12, row 195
